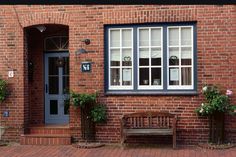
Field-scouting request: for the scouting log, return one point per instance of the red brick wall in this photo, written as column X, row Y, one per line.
column 216, row 29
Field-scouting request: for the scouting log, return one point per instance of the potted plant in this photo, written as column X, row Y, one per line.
column 3, row 94
column 3, row 90
column 215, row 106
column 91, row 112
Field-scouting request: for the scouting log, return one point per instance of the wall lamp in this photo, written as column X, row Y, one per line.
column 82, row 50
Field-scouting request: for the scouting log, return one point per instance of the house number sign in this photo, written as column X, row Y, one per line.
column 86, row 67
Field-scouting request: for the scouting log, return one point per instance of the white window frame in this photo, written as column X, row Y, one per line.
column 180, row 87
column 119, row 87
column 149, row 47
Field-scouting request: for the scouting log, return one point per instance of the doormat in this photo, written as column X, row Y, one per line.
column 87, row 145
column 3, row 143
column 216, row 146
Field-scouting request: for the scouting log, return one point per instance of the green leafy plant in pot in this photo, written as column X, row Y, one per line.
column 98, row 113
column 215, row 107
column 3, row 90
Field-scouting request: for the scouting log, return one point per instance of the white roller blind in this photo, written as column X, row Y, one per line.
column 115, row 38
column 144, row 53
column 174, row 52
column 186, row 36
column 144, row 37
column 186, row 53
column 156, row 37
column 126, row 53
column 156, row 53
column 173, row 36
column 126, row 38
column 115, row 55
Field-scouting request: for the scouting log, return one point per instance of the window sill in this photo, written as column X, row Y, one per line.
column 167, row 93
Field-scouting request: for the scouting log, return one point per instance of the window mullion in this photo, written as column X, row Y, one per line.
column 121, row 77
column 150, row 65
column 180, row 49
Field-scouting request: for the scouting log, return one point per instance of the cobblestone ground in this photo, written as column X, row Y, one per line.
column 111, row 151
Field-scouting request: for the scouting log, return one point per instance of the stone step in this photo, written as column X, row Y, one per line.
column 45, row 139
column 49, row 130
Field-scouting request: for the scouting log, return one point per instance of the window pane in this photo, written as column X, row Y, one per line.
column 53, row 85
column 186, row 75
column 156, row 56
column 115, row 77
column 126, row 38
column 115, row 38
column 156, row 76
column 173, row 36
column 174, row 56
column 126, row 57
column 173, row 76
column 186, row 36
column 156, row 37
column 143, row 56
column 53, row 68
column 127, row 76
column 186, row 55
column 143, row 76
column 115, row 57
column 53, row 107
column 143, row 37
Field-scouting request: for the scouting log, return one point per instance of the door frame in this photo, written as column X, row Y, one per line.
column 48, row 54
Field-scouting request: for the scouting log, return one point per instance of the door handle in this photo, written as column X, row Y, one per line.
column 46, row 88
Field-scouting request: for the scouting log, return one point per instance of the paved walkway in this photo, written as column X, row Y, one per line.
column 110, row 151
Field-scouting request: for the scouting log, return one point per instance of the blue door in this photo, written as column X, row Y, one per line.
column 56, row 88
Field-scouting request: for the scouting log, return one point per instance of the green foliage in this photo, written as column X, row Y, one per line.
column 3, row 90
column 98, row 113
column 80, row 100
column 215, row 102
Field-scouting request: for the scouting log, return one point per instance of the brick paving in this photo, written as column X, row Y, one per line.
column 110, row 151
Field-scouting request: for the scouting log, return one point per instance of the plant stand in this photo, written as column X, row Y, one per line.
column 87, row 125
column 216, row 134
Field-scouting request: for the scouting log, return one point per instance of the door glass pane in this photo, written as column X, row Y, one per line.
column 144, row 76
column 66, row 106
column 126, row 38
column 66, row 68
column 156, row 56
column 65, row 84
column 174, row 76
column 156, row 76
column 115, row 57
column 53, row 69
column 53, row 85
column 127, row 76
column 53, row 107
column 115, row 38
column 143, row 56
column 144, row 37
column 156, row 37
column 126, row 57
column 115, row 77
column 173, row 36
column 186, row 76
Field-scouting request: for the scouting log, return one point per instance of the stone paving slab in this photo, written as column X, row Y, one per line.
column 111, row 151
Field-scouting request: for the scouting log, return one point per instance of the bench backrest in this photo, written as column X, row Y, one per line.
column 149, row 120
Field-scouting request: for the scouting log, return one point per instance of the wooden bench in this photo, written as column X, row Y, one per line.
column 148, row 123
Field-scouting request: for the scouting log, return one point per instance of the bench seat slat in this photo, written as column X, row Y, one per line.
column 130, row 132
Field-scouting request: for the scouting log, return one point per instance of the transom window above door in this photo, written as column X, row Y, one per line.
column 155, row 58
column 56, row 43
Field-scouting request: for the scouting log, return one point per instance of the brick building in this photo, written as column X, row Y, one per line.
column 129, row 48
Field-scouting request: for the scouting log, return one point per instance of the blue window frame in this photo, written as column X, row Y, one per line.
column 151, row 59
